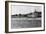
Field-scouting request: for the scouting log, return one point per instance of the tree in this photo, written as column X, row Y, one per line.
column 19, row 14
column 16, row 14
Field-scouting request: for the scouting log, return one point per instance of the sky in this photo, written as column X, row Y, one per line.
column 24, row 9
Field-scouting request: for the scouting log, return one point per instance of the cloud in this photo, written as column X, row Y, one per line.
column 20, row 9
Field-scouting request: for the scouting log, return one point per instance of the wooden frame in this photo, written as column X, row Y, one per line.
column 7, row 16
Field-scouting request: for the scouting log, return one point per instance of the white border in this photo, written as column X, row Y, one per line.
column 25, row 29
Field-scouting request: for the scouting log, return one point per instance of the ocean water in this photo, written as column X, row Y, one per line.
column 25, row 23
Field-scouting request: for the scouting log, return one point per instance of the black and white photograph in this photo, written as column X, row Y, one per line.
column 24, row 16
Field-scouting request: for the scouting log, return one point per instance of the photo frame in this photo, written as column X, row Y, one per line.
column 24, row 16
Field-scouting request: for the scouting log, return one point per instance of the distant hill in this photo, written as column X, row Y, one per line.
column 30, row 15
